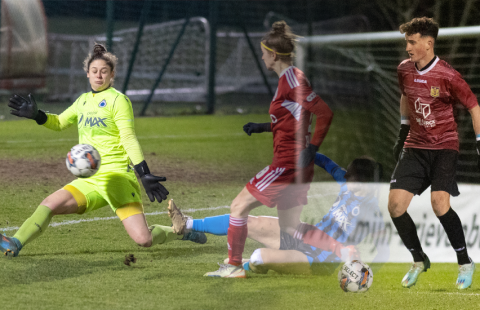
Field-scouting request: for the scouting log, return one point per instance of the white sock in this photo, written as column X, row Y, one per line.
column 256, row 258
column 189, row 224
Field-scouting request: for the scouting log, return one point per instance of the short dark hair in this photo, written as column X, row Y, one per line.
column 423, row 25
column 364, row 169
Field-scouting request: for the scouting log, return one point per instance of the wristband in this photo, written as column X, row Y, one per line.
column 478, row 137
column 41, row 117
column 313, row 147
column 267, row 127
column 142, row 169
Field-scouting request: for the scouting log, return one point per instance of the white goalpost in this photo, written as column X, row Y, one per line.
column 356, row 73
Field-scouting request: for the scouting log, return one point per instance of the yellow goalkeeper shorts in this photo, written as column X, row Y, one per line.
column 119, row 190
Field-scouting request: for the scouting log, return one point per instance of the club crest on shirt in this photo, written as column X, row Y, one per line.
column 102, row 103
column 434, row 91
column 273, row 118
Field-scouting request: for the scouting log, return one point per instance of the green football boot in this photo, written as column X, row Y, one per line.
column 410, row 279
column 195, row 236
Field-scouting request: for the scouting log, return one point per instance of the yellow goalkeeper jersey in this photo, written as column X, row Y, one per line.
column 105, row 121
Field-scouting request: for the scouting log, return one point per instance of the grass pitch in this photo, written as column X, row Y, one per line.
column 207, row 160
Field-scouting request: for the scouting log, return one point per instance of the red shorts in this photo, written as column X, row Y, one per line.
column 281, row 187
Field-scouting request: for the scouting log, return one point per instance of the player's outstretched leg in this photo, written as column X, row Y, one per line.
column 465, row 275
column 10, row 246
column 227, row 271
column 417, row 268
column 179, row 225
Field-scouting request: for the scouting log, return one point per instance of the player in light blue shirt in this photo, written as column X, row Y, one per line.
column 354, row 216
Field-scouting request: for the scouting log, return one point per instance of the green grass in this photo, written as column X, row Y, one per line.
column 207, row 160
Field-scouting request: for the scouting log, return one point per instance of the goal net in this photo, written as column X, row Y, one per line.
column 23, row 49
column 356, row 75
column 185, row 78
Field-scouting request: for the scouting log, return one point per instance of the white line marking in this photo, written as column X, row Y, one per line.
column 446, row 293
column 138, row 137
column 116, row 217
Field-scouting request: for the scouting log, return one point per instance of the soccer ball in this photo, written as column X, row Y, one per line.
column 355, row 277
column 83, row 160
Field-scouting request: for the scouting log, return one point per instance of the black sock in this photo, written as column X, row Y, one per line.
column 408, row 233
column 453, row 227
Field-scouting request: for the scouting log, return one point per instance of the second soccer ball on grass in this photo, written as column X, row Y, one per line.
column 83, row 160
column 355, row 277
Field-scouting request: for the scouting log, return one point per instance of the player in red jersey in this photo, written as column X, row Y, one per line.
column 427, row 146
column 283, row 184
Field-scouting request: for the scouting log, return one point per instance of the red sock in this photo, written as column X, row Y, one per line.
column 237, row 235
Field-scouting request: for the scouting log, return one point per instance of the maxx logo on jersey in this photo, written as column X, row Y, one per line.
column 92, row 122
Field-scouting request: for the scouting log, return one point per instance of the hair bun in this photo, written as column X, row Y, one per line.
column 279, row 27
column 99, row 49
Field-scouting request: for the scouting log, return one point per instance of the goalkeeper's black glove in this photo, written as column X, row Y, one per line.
column 27, row 108
column 256, row 128
column 150, row 183
column 402, row 136
column 478, row 154
column 307, row 156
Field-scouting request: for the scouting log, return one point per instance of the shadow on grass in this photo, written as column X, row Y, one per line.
column 28, row 270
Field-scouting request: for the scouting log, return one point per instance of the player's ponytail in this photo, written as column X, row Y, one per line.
column 280, row 39
column 100, row 52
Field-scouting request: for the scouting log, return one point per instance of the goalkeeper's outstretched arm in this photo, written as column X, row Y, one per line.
column 27, row 107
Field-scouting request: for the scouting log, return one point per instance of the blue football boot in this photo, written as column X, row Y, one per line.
column 417, row 268
column 10, row 246
column 465, row 275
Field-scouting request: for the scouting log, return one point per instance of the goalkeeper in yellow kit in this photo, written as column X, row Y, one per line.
column 104, row 118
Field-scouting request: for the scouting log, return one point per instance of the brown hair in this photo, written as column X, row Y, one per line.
column 100, row 52
column 281, row 39
column 423, row 25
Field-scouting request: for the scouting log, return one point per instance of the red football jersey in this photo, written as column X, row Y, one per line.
column 290, row 111
column 431, row 95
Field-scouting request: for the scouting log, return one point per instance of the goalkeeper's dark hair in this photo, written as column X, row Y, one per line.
column 100, row 52
column 423, row 25
column 364, row 169
column 281, row 39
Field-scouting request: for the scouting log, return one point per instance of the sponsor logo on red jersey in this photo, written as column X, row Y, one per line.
column 422, row 108
column 425, row 110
